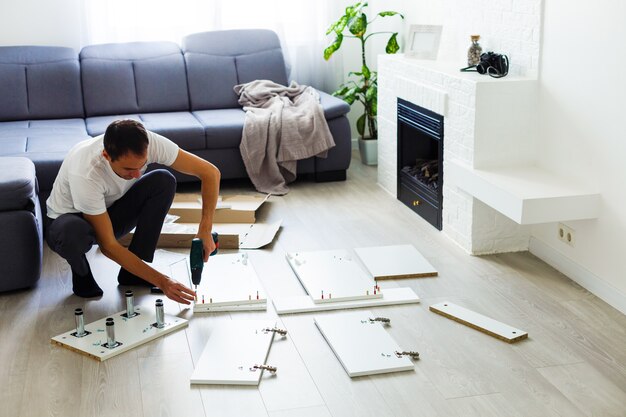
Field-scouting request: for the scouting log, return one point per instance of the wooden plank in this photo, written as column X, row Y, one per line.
column 479, row 322
column 233, row 348
column 363, row 347
column 332, row 276
column 130, row 333
column 398, row 261
column 304, row 304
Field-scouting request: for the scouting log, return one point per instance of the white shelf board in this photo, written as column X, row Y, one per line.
column 231, row 352
column 304, row 303
column 526, row 195
column 332, row 276
column 363, row 347
column 479, row 322
column 396, row 261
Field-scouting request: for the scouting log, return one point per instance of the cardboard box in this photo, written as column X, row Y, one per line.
column 231, row 209
column 231, row 235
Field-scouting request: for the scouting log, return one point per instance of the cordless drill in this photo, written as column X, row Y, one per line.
column 196, row 261
column 196, row 257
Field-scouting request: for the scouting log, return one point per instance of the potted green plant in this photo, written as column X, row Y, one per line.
column 362, row 86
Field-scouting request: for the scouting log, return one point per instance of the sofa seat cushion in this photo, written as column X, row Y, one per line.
column 333, row 106
column 23, row 145
column 180, row 127
column 18, row 188
column 40, row 136
column 32, row 128
column 223, row 127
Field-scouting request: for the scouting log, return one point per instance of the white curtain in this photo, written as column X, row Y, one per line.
column 300, row 25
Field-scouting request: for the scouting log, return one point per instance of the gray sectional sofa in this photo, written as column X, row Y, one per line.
column 51, row 98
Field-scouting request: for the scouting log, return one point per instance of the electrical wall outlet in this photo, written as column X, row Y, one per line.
column 566, row 234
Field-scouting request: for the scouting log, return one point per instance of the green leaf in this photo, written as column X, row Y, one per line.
column 351, row 95
column 341, row 91
column 389, row 13
column 371, row 92
column 359, row 74
column 358, row 25
column 392, row 44
column 332, row 48
column 366, row 72
column 374, row 108
column 360, row 124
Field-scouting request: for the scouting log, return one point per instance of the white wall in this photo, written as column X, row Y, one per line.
column 583, row 89
column 41, row 22
column 510, row 27
column 580, row 66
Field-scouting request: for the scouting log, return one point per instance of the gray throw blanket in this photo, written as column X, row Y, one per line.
column 282, row 126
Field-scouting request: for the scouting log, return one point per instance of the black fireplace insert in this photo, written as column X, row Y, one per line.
column 420, row 161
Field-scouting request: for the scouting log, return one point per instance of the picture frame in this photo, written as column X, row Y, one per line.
column 423, row 41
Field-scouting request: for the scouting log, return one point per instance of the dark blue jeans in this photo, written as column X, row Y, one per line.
column 144, row 206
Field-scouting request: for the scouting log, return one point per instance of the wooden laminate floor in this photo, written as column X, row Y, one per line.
column 573, row 364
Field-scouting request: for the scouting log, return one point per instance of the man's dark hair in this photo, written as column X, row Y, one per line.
column 125, row 136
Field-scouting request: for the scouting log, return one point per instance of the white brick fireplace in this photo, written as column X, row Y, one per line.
column 492, row 187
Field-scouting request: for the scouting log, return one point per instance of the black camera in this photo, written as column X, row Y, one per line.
column 495, row 65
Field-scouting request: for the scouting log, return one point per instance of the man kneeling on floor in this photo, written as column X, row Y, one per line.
column 101, row 194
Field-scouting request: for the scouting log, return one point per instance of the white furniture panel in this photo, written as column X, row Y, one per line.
column 332, row 276
column 399, row 261
column 363, row 347
column 304, row 304
column 479, row 322
column 233, row 349
column 130, row 333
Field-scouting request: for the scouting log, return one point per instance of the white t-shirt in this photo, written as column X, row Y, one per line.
column 86, row 183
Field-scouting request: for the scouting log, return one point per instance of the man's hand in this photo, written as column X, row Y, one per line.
column 207, row 241
column 176, row 291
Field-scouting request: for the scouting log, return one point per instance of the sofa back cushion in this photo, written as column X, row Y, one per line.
column 219, row 60
column 39, row 82
column 134, row 77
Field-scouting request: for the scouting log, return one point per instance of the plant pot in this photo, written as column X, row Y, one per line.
column 369, row 151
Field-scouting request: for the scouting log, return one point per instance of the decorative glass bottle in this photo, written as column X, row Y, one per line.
column 473, row 54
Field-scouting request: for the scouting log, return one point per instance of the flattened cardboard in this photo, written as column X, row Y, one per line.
column 231, row 235
column 230, row 209
column 250, row 236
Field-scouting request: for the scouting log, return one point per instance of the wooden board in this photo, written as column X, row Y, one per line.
column 131, row 333
column 304, row 304
column 363, row 347
column 399, row 261
column 479, row 322
column 332, row 276
column 232, row 349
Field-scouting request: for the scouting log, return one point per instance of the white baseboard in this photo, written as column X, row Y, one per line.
column 579, row 274
column 355, row 143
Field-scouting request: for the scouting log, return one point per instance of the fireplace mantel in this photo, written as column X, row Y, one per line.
column 490, row 128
